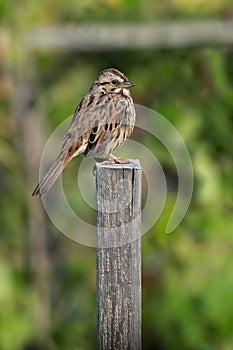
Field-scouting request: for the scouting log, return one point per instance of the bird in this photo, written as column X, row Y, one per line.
column 101, row 123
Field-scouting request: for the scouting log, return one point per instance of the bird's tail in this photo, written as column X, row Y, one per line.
column 51, row 176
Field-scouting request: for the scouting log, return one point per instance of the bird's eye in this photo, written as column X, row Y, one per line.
column 114, row 82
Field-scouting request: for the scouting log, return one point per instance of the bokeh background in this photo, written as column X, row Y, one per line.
column 47, row 282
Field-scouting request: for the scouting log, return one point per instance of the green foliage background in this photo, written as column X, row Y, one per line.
column 187, row 275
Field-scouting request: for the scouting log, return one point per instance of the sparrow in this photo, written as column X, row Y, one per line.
column 101, row 123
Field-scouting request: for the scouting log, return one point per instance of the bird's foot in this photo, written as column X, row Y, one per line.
column 116, row 160
column 112, row 160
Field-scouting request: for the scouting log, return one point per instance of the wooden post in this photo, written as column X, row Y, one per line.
column 119, row 256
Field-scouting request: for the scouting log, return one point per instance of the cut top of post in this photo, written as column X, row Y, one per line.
column 133, row 164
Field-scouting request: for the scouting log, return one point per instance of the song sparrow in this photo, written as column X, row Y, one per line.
column 101, row 123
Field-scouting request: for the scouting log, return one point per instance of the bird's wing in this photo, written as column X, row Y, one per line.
column 94, row 117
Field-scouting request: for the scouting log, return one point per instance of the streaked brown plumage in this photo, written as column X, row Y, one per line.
column 101, row 123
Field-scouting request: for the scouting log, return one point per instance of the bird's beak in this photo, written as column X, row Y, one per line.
column 127, row 84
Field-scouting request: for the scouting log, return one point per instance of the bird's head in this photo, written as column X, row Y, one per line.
column 113, row 81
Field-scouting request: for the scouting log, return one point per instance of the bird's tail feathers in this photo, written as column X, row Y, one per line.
column 51, row 176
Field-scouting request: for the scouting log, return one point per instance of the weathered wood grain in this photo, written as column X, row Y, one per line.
column 119, row 256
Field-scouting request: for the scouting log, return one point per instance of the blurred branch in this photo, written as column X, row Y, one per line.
column 133, row 36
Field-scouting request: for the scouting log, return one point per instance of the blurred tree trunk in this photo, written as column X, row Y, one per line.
column 27, row 115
